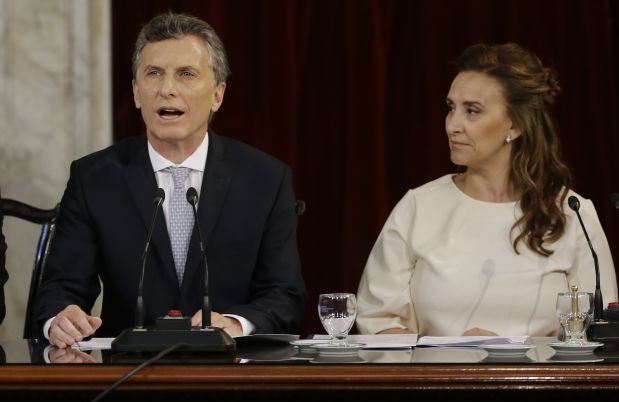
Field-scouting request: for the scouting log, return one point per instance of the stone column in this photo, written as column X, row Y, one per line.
column 55, row 106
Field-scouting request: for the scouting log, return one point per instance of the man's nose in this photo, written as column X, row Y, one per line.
column 168, row 86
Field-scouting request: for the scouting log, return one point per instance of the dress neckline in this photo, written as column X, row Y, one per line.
column 475, row 200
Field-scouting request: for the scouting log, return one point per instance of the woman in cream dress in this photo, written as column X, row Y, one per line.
column 485, row 251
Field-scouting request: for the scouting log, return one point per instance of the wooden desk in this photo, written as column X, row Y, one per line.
column 309, row 382
column 317, row 382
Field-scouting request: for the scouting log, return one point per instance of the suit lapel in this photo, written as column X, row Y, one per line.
column 140, row 178
column 215, row 184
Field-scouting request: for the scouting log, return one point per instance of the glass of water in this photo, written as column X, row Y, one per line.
column 337, row 312
column 575, row 312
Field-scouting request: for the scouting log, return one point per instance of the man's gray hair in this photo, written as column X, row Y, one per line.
column 176, row 26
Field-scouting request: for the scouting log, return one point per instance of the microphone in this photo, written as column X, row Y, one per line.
column 139, row 309
column 601, row 330
column 174, row 330
column 574, row 204
column 487, row 270
column 192, row 198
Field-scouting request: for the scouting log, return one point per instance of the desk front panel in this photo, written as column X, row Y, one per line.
column 279, row 374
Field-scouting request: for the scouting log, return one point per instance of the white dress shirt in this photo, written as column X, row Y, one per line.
column 195, row 162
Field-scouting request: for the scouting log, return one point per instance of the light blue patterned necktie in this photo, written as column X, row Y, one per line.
column 181, row 219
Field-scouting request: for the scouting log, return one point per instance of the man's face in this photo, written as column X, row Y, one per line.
column 175, row 90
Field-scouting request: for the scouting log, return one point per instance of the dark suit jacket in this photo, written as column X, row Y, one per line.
column 247, row 216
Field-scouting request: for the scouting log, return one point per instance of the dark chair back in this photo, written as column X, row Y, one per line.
column 299, row 207
column 46, row 218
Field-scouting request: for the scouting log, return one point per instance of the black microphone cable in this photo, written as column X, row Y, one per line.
column 136, row 369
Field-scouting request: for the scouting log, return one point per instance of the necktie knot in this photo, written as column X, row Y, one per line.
column 179, row 176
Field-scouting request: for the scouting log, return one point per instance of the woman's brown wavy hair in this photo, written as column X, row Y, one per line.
column 537, row 171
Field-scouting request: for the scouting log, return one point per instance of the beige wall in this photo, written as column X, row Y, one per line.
column 55, row 106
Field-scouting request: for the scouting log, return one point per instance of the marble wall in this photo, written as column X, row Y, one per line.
column 55, row 106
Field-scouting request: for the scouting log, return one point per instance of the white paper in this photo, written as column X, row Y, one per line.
column 94, row 344
column 471, row 341
column 381, row 341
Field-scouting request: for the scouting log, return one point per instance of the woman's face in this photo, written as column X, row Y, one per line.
column 477, row 123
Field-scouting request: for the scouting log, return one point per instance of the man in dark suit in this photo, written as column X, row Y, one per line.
column 246, row 209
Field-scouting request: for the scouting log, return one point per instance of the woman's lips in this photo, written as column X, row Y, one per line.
column 456, row 144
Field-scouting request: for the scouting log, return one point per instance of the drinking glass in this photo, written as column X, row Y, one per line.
column 337, row 312
column 575, row 312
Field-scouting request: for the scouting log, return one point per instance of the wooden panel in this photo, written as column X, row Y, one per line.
column 315, row 377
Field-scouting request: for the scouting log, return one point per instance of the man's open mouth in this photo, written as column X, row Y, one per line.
column 169, row 112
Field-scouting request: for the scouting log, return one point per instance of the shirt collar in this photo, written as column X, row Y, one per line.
column 195, row 161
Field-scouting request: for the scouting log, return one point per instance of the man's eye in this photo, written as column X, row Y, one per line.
column 152, row 72
column 186, row 74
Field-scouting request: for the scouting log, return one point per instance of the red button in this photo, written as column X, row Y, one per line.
column 175, row 313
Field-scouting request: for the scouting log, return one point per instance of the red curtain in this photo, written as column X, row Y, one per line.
column 351, row 94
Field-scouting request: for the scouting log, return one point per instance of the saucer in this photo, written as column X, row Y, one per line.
column 326, row 349
column 507, row 350
column 575, row 358
column 568, row 349
column 307, row 345
column 308, row 342
column 305, row 354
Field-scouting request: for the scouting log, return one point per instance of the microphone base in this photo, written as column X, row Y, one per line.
column 210, row 340
column 603, row 331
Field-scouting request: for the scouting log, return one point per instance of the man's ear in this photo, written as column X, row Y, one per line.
column 218, row 96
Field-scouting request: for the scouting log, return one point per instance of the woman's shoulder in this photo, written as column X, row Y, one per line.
column 442, row 184
column 441, row 188
column 574, row 200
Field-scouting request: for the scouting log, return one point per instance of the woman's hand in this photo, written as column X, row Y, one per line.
column 478, row 332
column 396, row 331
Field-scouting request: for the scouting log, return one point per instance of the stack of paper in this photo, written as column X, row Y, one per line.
column 382, row 341
column 471, row 341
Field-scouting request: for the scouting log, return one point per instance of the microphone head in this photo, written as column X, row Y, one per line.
column 616, row 200
column 573, row 202
column 192, row 196
column 159, row 196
